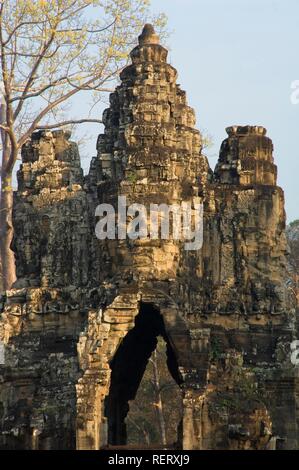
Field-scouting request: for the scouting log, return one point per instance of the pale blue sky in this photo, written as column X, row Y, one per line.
column 237, row 59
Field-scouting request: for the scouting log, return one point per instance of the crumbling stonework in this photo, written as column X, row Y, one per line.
column 84, row 315
column 292, row 233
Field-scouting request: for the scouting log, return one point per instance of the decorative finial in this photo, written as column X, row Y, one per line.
column 148, row 36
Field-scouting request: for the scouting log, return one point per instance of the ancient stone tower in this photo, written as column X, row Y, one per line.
column 83, row 317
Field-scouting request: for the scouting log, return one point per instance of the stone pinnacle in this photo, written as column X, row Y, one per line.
column 148, row 35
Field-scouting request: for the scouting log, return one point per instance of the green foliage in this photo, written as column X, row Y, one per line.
column 293, row 259
column 207, row 140
column 216, row 349
column 295, row 223
column 132, row 178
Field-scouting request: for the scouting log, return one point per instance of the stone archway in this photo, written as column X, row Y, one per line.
column 128, row 366
column 102, row 349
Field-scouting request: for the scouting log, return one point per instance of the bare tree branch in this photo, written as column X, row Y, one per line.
column 59, row 81
column 66, row 123
column 32, row 74
column 87, row 30
column 18, row 26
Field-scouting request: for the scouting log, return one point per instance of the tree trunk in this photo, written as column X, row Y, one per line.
column 159, row 403
column 6, row 228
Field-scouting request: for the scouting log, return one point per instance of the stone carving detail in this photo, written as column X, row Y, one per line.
column 50, row 214
column 83, row 317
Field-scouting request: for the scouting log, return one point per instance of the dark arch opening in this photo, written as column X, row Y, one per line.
column 128, row 366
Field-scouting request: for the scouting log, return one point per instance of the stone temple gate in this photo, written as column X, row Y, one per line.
column 82, row 319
